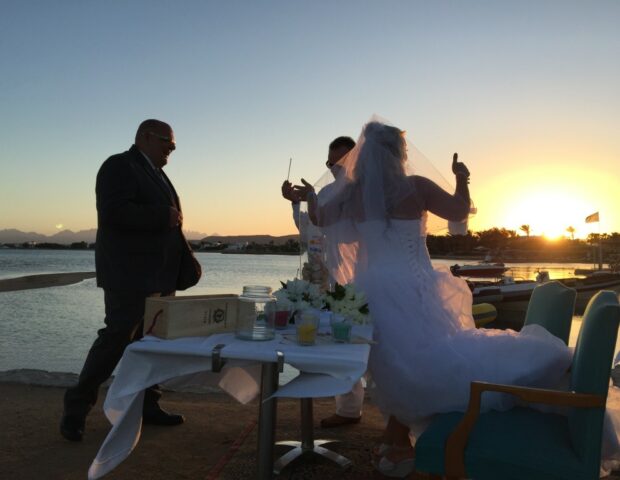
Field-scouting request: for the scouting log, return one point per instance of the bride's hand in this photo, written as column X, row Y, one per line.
column 459, row 168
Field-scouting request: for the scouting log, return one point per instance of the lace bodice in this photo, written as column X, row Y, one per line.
column 397, row 244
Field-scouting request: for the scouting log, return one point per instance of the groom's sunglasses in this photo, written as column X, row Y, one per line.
column 162, row 138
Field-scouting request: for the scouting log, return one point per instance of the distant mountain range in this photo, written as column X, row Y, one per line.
column 12, row 235
column 66, row 237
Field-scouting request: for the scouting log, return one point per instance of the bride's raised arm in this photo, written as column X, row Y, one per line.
column 436, row 200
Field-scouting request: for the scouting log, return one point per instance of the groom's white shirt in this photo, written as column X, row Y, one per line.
column 349, row 404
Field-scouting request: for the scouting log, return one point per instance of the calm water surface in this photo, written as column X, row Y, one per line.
column 53, row 328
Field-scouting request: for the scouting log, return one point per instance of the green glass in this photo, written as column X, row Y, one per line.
column 341, row 332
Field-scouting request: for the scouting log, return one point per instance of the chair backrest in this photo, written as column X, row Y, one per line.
column 590, row 374
column 551, row 306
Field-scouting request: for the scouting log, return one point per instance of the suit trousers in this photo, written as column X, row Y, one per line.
column 124, row 320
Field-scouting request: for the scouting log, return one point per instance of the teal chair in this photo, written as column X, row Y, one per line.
column 552, row 306
column 525, row 443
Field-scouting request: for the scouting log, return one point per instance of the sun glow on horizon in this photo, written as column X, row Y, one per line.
column 548, row 213
column 550, row 201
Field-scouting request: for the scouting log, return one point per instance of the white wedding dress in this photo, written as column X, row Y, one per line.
column 428, row 349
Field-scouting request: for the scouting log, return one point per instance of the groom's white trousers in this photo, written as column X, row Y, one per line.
column 350, row 404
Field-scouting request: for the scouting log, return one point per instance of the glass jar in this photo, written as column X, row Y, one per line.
column 256, row 314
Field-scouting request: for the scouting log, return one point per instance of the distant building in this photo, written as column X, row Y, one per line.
column 236, row 247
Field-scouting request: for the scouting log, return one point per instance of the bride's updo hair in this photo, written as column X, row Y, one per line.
column 388, row 137
column 383, row 155
column 385, row 147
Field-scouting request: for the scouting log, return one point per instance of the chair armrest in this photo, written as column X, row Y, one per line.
column 457, row 441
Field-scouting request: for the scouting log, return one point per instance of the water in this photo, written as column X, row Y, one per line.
column 53, row 328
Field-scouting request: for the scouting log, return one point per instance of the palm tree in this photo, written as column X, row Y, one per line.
column 525, row 229
column 570, row 229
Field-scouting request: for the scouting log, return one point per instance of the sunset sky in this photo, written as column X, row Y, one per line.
column 526, row 91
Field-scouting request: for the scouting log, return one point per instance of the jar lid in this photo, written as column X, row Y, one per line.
column 256, row 291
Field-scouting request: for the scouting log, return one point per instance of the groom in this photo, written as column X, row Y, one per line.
column 349, row 405
column 140, row 252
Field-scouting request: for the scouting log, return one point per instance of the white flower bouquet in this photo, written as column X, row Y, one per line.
column 348, row 302
column 296, row 295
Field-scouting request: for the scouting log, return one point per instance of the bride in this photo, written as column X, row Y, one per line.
column 428, row 350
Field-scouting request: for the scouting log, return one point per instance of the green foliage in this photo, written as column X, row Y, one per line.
column 338, row 293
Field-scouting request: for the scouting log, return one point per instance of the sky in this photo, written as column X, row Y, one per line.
column 525, row 91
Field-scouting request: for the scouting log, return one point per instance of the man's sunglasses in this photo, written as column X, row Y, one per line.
column 162, row 137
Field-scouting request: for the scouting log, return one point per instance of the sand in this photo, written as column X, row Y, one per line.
column 218, row 439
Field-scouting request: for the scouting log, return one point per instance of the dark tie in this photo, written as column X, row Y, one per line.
column 167, row 185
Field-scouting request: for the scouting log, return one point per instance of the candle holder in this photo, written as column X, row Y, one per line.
column 283, row 318
column 306, row 326
column 341, row 329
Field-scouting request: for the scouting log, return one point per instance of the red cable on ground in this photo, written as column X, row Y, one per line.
column 219, row 466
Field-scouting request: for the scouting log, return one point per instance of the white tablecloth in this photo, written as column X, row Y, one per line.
column 326, row 369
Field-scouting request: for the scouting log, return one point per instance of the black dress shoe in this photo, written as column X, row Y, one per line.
column 161, row 417
column 72, row 427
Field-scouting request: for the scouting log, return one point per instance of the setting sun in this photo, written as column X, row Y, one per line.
column 548, row 213
column 549, row 200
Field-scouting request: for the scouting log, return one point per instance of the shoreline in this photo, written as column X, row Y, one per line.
column 39, row 378
column 479, row 259
column 43, row 280
column 465, row 257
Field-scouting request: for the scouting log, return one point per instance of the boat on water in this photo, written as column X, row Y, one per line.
column 590, row 271
column 480, row 270
column 511, row 297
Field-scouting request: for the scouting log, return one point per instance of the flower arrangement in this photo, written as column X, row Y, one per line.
column 349, row 302
column 299, row 295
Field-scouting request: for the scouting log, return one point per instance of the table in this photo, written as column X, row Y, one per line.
column 326, row 369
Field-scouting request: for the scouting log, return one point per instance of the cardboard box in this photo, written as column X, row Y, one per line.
column 190, row 316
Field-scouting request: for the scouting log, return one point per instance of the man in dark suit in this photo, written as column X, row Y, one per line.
column 140, row 252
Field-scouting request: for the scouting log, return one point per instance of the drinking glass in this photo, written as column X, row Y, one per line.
column 282, row 318
column 341, row 328
column 306, row 325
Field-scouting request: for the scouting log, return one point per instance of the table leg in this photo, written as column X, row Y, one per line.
column 267, row 420
column 308, row 444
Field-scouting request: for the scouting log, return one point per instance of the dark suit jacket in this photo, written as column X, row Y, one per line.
column 136, row 250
